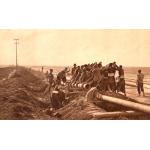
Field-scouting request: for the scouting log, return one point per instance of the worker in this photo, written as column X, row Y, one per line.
column 111, row 77
column 140, row 78
column 51, row 78
column 62, row 76
column 114, row 65
column 92, row 94
column 121, row 80
column 83, row 76
column 88, row 75
column 104, row 82
column 100, row 65
column 57, row 98
column 46, row 75
column 77, row 74
column 73, row 69
column 96, row 75
column 42, row 68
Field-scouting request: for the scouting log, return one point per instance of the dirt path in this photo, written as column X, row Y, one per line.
column 132, row 93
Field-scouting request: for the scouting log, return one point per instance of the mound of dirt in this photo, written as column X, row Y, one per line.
column 78, row 109
column 25, row 95
column 4, row 72
column 22, row 95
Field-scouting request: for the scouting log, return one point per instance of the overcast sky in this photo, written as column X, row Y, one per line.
column 65, row 47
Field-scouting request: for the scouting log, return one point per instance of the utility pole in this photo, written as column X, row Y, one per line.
column 16, row 43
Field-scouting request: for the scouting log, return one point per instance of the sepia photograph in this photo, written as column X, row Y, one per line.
column 74, row 74
column 96, row 74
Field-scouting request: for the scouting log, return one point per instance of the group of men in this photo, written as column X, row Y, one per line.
column 61, row 77
column 96, row 74
column 92, row 93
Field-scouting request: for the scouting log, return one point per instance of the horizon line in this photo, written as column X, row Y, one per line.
column 60, row 65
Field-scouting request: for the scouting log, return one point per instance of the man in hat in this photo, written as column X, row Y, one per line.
column 73, row 69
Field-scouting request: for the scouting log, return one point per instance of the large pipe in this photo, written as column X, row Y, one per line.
column 80, row 85
column 101, row 115
column 125, row 103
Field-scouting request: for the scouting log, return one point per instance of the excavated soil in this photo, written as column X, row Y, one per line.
column 78, row 109
column 24, row 95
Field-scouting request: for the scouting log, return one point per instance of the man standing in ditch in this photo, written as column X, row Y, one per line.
column 57, row 98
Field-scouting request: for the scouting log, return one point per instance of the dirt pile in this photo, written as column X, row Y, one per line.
column 5, row 72
column 22, row 96
column 78, row 109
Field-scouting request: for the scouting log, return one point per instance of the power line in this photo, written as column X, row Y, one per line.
column 16, row 43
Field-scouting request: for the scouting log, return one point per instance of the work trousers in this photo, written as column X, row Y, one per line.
column 140, row 87
column 112, row 84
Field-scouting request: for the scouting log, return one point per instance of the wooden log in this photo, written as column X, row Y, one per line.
column 101, row 115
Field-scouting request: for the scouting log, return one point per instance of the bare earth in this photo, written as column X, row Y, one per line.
column 25, row 96
column 132, row 92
